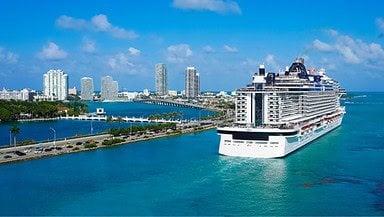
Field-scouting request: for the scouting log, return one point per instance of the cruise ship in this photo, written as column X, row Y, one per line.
column 279, row 113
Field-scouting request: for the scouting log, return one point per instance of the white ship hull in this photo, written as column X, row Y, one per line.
column 273, row 143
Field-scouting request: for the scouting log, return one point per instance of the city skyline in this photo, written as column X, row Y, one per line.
column 222, row 38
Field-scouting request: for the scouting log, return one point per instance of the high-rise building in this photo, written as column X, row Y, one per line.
column 87, row 88
column 161, row 79
column 192, row 82
column 109, row 88
column 197, row 85
column 56, row 84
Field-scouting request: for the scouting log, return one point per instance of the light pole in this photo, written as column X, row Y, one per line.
column 91, row 123
column 54, row 136
column 10, row 138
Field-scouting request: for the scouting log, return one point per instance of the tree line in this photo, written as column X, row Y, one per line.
column 13, row 110
column 166, row 116
column 137, row 129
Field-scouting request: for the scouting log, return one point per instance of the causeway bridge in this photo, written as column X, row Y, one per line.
column 122, row 119
column 171, row 103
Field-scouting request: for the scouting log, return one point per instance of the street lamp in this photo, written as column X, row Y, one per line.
column 10, row 138
column 92, row 123
column 54, row 136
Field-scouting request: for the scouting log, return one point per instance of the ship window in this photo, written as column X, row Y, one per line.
column 254, row 135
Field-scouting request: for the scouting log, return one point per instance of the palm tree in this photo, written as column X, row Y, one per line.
column 14, row 130
column 109, row 119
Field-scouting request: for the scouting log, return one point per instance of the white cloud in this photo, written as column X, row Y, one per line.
column 112, row 62
column 354, row 51
column 66, row 22
column 332, row 32
column 133, row 51
column 251, row 65
column 119, row 61
column 8, row 57
column 380, row 24
column 208, row 49
column 230, row 49
column 52, row 52
column 218, row 6
column 88, row 46
column 178, row 53
column 322, row 46
column 348, row 54
column 271, row 61
column 101, row 23
column 98, row 23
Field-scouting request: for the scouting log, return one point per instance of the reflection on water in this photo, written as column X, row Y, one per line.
column 271, row 170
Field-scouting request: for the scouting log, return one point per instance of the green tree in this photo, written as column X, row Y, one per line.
column 109, row 119
column 14, row 131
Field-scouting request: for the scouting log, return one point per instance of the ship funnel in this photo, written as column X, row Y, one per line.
column 262, row 70
column 286, row 70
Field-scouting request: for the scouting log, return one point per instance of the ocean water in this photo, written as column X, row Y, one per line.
column 40, row 130
column 341, row 173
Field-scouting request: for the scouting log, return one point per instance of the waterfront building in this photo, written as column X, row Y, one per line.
column 146, row 92
column 172, row 92
column 192, row 82
column 128, row 95
column 56, row 84
column 87, row 88
column 72, row 91
column 24, row 94
column 161, row 79
column 109, row 88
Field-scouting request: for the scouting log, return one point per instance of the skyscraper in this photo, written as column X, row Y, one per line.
column 87, row 88
column 56, row 84
column 161, row 79
column 109, row 88
column 192, row 82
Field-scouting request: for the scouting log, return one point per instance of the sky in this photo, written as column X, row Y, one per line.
column 225, row 40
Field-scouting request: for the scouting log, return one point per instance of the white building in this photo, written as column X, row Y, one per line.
column 72, row 91
column 56, row 84
column 146, row 92
column 192, row 82
column 161, row 79
column 24, row 94
column 109, row 88
column 172, row 92
column 87, row 88
column 128, row 95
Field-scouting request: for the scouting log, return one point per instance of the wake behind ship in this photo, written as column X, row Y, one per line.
column 279, row 113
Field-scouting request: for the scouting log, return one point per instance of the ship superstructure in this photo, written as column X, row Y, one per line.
column 280, row 112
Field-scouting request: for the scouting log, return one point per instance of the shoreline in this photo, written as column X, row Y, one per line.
column 32, row 152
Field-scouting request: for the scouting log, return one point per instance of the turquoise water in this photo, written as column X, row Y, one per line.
column 40, row 131
column 341, row 173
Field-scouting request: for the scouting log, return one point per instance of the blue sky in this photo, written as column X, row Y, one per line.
column 225, row 40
